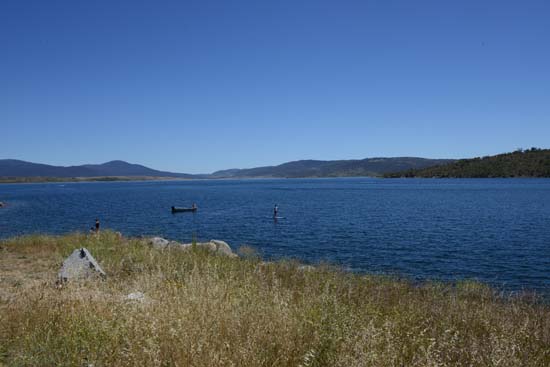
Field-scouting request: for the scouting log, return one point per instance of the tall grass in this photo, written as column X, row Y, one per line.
column 206, row 310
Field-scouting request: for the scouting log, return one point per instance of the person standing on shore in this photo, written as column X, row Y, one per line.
column 97, row 225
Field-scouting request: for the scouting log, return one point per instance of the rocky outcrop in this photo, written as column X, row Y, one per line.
column 223, row 248
column 158, row 242
column 214, row 246
column 80, row 265
column 2, row 204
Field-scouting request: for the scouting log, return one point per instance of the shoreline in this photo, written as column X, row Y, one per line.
column 160, row 306
column 497, row 288
column 56, row 180
column 31, row 180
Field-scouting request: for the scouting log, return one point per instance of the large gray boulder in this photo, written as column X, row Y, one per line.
column 223, row 248
column 214, row 246
column 161, row 243
column 204, row 245
column 80, row 265
column 158, row 242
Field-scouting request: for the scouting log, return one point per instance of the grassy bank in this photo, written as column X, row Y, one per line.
column 206, row 310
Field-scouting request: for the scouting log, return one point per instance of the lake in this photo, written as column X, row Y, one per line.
column 493, row 230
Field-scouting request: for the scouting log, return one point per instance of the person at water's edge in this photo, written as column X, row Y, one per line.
column 97, row 225
column 275, row 211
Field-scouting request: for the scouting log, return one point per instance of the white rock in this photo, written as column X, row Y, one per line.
column 136, row 296
column 158, row 242
column 173, row 244
column 223, row 248
column 216, row 246
column 185, row 246
column 80, row 264
column 208, row 245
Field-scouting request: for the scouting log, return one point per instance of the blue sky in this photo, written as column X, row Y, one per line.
column 196, row 86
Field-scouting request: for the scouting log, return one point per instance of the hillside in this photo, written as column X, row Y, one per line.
column 339, row 168
column 529, row 163
column 12, row 170
column 533, row 162
column 18, row 168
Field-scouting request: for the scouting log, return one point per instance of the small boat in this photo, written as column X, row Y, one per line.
column 181, row 210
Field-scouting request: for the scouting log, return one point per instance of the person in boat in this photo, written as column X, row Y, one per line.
column 194, row 206
column 275, row 211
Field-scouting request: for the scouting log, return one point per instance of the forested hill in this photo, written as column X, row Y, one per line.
column 533, row 162
column 340, row 168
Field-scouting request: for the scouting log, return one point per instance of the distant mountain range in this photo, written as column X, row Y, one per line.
column 341, row 168
column 17, row 168
column 305, row 168
column 533, row 162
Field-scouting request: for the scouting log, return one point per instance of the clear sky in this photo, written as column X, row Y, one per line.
column 196, row 86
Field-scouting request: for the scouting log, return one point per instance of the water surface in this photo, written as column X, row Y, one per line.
column 494, row 230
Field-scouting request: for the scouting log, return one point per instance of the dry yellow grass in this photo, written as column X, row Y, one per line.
column 207, row 310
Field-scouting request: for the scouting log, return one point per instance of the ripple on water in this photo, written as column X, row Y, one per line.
column 496, row 231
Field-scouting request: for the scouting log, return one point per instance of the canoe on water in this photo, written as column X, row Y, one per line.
column 180, row 210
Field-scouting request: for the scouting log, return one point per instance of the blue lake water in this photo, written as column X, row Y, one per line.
column 493, row 230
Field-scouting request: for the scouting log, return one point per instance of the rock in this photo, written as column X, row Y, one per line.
column 136, row 296
column 79, row 265
column 223, row 248
column 204, row 245
column 174, row 244
column 207, row 245
column 158, row 242
column 216, row 246
column 2, row 204
column 184, row 246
